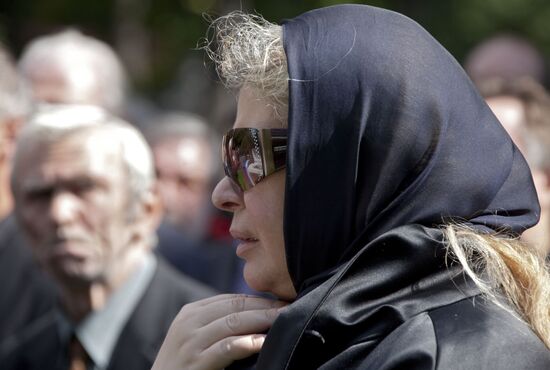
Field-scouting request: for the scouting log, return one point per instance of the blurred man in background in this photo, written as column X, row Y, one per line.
column 506, row 56
column 26, row 294
column 523, row 108
column 86, row 199
column 69, row 67
column 14, row 106
column 186, row 153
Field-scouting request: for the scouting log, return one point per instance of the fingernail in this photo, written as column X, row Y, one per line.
column 259, row 339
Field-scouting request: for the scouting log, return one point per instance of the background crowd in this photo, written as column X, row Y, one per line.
column 118, row 123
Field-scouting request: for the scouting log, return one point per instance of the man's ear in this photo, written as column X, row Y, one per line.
column 546, row 184
column 149, row 213
column 8, row 135
column 541, row 178
column 152, row 206
column 13, row 125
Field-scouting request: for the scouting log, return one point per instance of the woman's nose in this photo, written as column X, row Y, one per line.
column 226, row 197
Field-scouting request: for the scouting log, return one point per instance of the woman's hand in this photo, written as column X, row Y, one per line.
column 212, row 333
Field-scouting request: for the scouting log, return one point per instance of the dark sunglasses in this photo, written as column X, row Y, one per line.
column 249, row 154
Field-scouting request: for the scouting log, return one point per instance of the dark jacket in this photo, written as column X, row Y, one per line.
column 26, row 293
column 213, row 263
column 38, row 347
column 408, row 318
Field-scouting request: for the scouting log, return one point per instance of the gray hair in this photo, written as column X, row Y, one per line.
column 180, row 125
column 14, row 99
column 52, row 123
column 247, row 49
column 84, row 61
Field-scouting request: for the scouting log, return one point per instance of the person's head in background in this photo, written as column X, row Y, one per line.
column 71, row 68
column 85, row 198
column 523, row 107
column 186, row 156
column 14, row 106
column 505, row 56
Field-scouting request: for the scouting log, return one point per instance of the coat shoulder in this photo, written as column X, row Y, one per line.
column 468, row 334
column 476, row 333
column 174, row 282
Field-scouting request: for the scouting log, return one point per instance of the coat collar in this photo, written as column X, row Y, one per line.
column 366, row 299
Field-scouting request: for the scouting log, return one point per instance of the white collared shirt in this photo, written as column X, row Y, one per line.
column 99, row 331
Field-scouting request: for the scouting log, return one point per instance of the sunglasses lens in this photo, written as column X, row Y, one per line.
column 242, row 157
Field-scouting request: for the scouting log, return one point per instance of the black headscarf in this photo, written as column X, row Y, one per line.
column 385, row 130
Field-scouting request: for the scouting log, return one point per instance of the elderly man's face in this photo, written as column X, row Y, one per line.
column 183, row 168
column 72, row 202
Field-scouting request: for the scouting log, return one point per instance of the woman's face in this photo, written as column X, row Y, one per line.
column 257, row 222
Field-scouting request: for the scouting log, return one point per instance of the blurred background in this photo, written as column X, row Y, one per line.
column 157, row 40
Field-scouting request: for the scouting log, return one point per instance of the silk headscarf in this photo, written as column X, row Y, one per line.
column 385, row 130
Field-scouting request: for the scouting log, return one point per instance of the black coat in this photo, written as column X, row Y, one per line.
column 38, row 347
column 212, row 263
column 432, row 318
column 27, row 293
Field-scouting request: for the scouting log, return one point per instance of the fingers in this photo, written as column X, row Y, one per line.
column 228, row 350
column 210, row 310
column 237, row 323
column 212, row 333
column 235, row 304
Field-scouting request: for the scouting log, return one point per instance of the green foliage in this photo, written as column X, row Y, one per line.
column 174, row 26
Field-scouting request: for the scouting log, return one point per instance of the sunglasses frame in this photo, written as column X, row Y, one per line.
column 269, row 145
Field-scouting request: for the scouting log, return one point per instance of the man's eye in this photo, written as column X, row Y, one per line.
column 184, row 181
column 40, row 194
column 83, row 186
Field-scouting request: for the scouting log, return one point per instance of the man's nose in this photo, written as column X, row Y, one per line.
column 64, row 207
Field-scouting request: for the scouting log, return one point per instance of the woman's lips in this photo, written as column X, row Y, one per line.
column 245, row 245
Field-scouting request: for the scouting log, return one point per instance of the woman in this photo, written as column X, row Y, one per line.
column 388, row 147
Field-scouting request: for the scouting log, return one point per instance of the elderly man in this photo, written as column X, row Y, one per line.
column 186, row 155
column 14, row 105
column 523, row 108
column 85, row 197
column 186, row 158
column 69, row 67
column 25, row 293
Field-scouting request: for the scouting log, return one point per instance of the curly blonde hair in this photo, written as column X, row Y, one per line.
column 247, row 49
